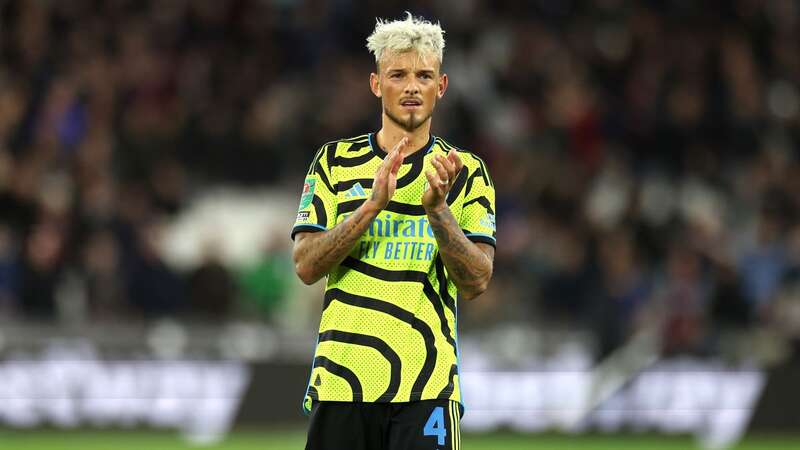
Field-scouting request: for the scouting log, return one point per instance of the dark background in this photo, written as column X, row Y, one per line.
column 645, row 156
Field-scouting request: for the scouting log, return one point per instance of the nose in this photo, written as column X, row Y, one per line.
column 412, row 88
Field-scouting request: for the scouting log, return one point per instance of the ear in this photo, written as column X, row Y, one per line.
column 442, row 85
column 375, row 84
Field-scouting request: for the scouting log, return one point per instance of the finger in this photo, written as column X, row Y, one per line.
column 434, row 182
column 396, row 163
column 387, row 161
column 453, row 156
column 450, row 167
column 382, row 168
column 382, row 176
column 396, row 151
column 441, row 171
column 401, row 144
column 441, row 186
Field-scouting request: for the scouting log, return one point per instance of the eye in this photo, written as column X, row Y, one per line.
column 396, row 75
column 426, row 76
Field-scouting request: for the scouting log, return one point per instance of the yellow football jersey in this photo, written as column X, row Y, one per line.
column 388, row 327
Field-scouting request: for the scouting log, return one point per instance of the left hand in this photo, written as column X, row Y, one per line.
column 440, row 180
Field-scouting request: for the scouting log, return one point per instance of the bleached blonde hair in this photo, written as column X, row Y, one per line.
column 413, row 33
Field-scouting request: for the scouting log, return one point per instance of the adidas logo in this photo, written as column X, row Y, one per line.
column 355, row 192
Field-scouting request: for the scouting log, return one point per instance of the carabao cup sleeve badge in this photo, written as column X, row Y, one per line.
column 308, row 192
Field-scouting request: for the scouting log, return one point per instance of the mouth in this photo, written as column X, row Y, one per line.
column 411, row 104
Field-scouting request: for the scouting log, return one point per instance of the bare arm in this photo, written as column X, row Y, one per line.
column 315, row 254
column 468, row 264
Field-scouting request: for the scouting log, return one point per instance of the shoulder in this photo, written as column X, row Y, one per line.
column 473, row 163
column 354, row 143
column 469, row 158
column 327, row 153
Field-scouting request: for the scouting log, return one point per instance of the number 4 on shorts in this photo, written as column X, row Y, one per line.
column 435, row 425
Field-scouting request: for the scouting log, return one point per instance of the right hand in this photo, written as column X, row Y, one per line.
column 385, row 181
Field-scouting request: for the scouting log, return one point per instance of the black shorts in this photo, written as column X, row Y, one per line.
column 421, row 425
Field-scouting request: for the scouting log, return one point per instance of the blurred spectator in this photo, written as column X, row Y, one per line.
column 567, row 292
column 41, row 268
column 212, row 291
column 787, row 311
column 265, row 284
column 9, row 271
column 729, row 308
column 635, row 147
column 622, row 291
column 683, row 299
column 764, row 264
column 152, row 287
column 107, row 295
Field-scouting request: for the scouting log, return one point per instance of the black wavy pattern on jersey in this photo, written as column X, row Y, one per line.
column 413, row 172
column 405, row 208
column 319, row 209
column 352, row 162
column 443, row 292
column 485, row 173
column 405, row 275
column 324, row 178
column 384, row 274
column 349, row 206
column 342, row 186
column 448, row 390
column 393, row 206
column 330, row 153
column 446, row 145
column 379, row 345
column 343, row 372
column 478, row 172
column 483, row 202
column 313, row 393
column 458, row 185
column 356, row 146
column 461, row 178
column 400, row 314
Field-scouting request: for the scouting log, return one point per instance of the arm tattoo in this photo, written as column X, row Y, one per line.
column 468, row 266
column 323, row 251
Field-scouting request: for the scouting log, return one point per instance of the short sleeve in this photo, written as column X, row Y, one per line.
column 478, row 211
column 317, row 210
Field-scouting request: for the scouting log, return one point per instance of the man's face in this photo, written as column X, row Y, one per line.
column 409, row 85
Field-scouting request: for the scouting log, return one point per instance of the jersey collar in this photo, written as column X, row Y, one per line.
column 420, row 153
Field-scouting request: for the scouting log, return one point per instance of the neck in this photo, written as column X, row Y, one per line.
column 391, row 133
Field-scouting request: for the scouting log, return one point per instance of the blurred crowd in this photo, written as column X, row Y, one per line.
column 646, row 154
